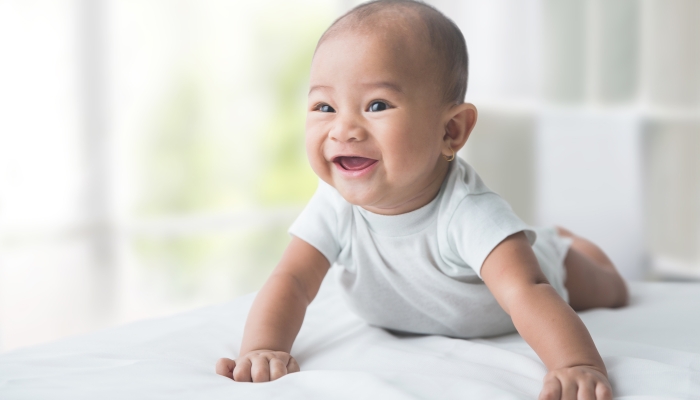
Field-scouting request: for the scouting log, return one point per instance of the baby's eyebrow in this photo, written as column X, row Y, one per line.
column 382, row 84
column 385, row 84
column 317, row 87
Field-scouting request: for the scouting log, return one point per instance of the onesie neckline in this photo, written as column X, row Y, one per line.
column 407, row 223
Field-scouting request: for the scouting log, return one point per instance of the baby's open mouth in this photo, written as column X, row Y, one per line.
column 354, row 163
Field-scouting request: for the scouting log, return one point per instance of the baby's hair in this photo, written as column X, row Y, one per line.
column 446, row 40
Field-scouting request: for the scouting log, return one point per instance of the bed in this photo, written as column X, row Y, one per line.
column 651, row 349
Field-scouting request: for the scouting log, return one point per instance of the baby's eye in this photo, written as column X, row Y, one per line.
column 325, row 108
column 378, row 106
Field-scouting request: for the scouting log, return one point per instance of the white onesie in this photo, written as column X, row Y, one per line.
column 420, row 271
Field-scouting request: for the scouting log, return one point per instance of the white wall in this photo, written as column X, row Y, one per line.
column 591, row 119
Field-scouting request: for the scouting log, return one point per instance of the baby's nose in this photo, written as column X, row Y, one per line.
column 347, row 129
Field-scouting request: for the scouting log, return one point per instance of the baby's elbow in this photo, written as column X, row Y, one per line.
column 623, row 296
column 522, row 294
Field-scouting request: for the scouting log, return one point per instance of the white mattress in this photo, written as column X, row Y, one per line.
column 651, row 349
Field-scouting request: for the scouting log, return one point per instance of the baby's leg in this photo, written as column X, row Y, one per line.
column 591, row 278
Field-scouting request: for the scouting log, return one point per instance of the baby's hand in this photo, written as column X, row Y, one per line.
column 258, row 366
column 581, row 382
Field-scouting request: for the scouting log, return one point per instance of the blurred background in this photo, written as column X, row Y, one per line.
column 152, row 159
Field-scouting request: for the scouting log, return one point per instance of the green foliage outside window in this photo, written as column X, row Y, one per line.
column 189, row 165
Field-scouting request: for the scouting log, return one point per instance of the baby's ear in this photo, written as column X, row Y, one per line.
column 460, row 120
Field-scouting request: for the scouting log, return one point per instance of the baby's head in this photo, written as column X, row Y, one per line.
column 441, row 43
column 386, row 104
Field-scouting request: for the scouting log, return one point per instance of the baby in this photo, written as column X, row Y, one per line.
column 421, row 244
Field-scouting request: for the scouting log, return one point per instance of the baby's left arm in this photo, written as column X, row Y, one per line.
column 546, row 322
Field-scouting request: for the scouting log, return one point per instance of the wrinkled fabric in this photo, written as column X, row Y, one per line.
column 651, row 349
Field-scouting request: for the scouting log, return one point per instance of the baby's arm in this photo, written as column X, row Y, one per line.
column 546, row 322
column 276, row 316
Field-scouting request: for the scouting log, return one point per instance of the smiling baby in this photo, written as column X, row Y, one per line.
column 421, row 244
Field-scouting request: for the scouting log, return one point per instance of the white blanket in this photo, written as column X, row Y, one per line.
column 651, row 349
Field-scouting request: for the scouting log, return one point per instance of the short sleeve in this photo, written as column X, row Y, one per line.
column 317, row 224
column 479, row 224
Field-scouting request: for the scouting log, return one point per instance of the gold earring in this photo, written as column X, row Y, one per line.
column 452, row 157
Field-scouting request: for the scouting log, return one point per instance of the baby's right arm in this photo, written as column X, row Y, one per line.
column 276, row 316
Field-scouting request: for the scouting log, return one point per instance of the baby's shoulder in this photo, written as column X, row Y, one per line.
column 467, row 199
column 473, row 219
column 464, row 187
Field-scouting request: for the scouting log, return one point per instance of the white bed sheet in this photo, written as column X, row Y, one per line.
column 651, row 349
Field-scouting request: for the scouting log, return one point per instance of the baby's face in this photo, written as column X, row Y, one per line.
column 375, row 120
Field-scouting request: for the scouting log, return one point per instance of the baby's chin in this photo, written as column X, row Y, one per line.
column 362, row 192
column 356, row 194
column 353, row 196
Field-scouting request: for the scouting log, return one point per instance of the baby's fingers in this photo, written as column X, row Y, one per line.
column 225, row 367
column 242, row 371
column 277, row 368
column 551, row 390
column 260, row 371
column 586, row 390
column 603, row 391
column 569, row 389
column 292, row 365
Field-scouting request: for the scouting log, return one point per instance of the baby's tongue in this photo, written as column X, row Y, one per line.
column 356, row 163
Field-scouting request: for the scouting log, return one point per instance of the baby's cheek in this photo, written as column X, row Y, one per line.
column 406, row 156
column 314, row 153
